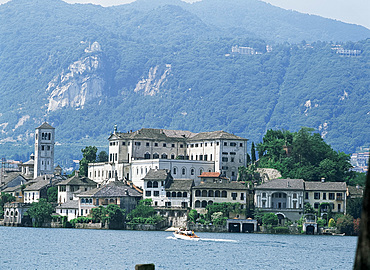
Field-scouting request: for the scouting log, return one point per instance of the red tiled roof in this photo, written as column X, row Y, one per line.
column 210, row 174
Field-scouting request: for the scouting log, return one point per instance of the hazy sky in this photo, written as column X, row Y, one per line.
column 350, row 11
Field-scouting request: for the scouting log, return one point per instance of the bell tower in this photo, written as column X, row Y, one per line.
column 44, row 150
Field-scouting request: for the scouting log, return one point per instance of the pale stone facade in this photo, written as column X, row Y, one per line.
column 130, row 154
column 44, row 150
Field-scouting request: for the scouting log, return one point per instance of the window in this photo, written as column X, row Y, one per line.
column 316, row 205
column 339, row 197
column 156, row 193
column 197, row 204
column 225, row 153
column 232, row 144
column 197, row 193
column 242, row 196
column 217, row 143
column 155, row 184
column 148, row 193
column 146, row 156
column 149, row 184
column 42, row 147
column 164, row 156
column 155, row 144
column 331, row 196
column 205, row 144
column 324, row 196
column 205, row 157
column 200, row 157
column 181, row 146
column 316, row 195
column 192, row 145
column 192, row 171
column 155, row 156
column 184, row 194
column 264, row 195
column 173, row 194
column 147, row 144
column 179, row 194
column 183, row 171
column 210, row 193
column 164, row 145
column 295, row 196
column 232, row 159
column 232, row 153
column 225, row 159
column 168, row 194
column 137, row 143
column 172, row 156
column 241, row 144
column 174, row 170
column 225, row 143
column 224, row 194
column 196, row 145
column 234, row 195
column 173, row 145
column 217, row 193
column 306, row 195
column 204, row 193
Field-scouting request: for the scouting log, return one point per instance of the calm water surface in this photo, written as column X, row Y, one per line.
column 32, row 248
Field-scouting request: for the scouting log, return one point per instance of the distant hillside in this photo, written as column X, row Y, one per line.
column 85, row 68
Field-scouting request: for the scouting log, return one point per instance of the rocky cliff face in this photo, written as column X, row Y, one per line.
column 156, row 78
column 80, row 83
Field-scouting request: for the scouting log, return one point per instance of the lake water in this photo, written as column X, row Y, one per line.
column 33, row 248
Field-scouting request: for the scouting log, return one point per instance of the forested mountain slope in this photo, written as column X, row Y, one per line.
column 84, row 68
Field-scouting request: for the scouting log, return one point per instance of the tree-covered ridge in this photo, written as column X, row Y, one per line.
column 207, row 87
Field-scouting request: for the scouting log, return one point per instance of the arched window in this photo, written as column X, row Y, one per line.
column 155, row 156
column 217, row 193
column 155, row 184
column 168, row 194
column 183, row 171
column 294, row 195
column 111, row 201
column 174, row 170
column 204, row 204
column 149, row 184
column 210, row 202
column 164, row 156
column 204, row 193
column 179, row 194
column 224, row 194
column 185, row 194
column 82, row 200
column 192, row 171
column 197, row 193
column 147, row 155
column 173, row 194
column 200, row 171
column 210, row 193
column 264, row 195
column 197, row 204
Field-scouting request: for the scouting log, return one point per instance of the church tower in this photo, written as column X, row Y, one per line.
column 44, row 150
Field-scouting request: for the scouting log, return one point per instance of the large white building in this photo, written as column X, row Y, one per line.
column 185, row 154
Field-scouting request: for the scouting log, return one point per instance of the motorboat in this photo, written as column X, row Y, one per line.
column 185, row 235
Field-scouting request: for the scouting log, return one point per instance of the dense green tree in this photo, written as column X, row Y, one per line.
column 224, row 208
column 52, row 194
column 354, row 207
column 88, row 156
column 303, row 154
column 40, row 212
column 270, row 219
column 253, row 153
column 4, row 198
column 193, row 215
column 102, row 156
column 345, row 224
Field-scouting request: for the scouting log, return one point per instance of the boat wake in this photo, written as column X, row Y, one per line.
column 207, row 239
column 218, row 240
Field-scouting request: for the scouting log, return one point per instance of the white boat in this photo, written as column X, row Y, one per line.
column 186, row 235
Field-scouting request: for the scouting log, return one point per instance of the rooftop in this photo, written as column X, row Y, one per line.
column 283, row 184
column 154, row 174
column 326, row 186
column 113, row 189
column 180, row 185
